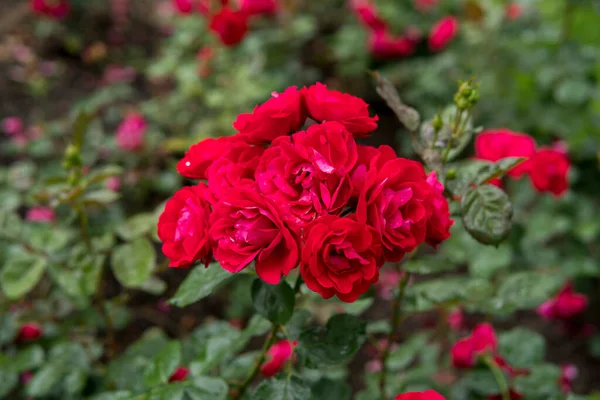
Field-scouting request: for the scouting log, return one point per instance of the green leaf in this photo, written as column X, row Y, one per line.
column 133, row 262
column 137, row 226
column 424, row 296
column 274, row 302
column 28, row 358
column 240, row 366
column 8, row 381
column 404, row 354
column 522, row 348
column 208, row 388
column 119, row 395
column 10, row 225
column 281, row 389
column 326, row 388
column 46, row 238
column 100, row 197
column 341, row 338
column 163, row 365
column 525, row 290
column 540, row 383
column 200, row 283
column 429, row 264
column 100, row 174
column 482, row 382
column 498, row 169
column 488, row 260
column 487, row 213
column 21, row 272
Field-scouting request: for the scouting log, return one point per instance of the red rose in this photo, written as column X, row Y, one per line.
column 200, row 156
column 183, row 6
column 439, row 222
column 513, row 395
column 277, row 356
column 307, row 175
column 366, row 12
column 279, row 116
column 235, row 168
column 257, row 7
column 442, row 33
column 183, row 226
column 340, row 257
column 246, row 226
column 231, row 26
column 180, row 374
column 482, row 340
column 330, row 105
column 394, row 201
column 427, row 395
column 568, row 373
column 366, row 154
column 383, row 45
column 494, row 145
column 57, row 9
column 565, row 305
column 548, row 171
column 30, row 332
column 513, row 11
column 131, row 131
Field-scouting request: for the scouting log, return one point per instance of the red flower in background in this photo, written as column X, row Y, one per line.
column 394, row 201
column 245, row 226
column 279, row 116
column 340, row 257
column 12, row 125
column 257, row 7
column 439, row 223
column 565, row 305
column 425, row 5
column 330, row 105
column 456, row 319
column 231, row 26
column 483, row 340
column 30, row 332
column 183, row 6
column 131, row 131
column 183, row 226
column 56, row 9
column 514, row 11
column 180, row 374
column 442, row 33
column 513, row 395
column 383, row 45
column 367, row 14
column 494, row 145
column 427, row 395
column 549, row 170
column 277, row 356
column 568, row 373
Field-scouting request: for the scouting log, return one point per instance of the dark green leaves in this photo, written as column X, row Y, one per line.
column 133, row 262
column 281, row 389
column 522, row 348
column 274, row 302
column 163, row 365
column 201, row 282
column 21, row 272
column 341, row 338
column 329, row 389
column 487, row 213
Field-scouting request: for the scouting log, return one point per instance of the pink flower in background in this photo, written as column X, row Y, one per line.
column 568, row 373
column 113, row 183
column 130, row 133
column 277, row 356
column 366, row 12
column 118, row 74
column 40, row 214
column 465, row 351
column 383, row 45
column 56, row 9
column 230, row 26
column 12, row 125
column 25, row 377
column 388, row 280
column 456, row 319
column 442, row 33
column 425, row 5
column 30, row 332
column 565, row 305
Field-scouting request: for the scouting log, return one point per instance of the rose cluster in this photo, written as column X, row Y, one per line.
column 386, row 45
column 229, row 22
column 281, row 197
column 546, row 167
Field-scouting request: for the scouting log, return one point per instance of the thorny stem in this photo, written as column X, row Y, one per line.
column 261, row 359
column 83, row 227
column 455, row 134
column 499, row 376
column 394, row 322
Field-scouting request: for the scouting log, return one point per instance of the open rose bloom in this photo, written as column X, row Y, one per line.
column 279, row 196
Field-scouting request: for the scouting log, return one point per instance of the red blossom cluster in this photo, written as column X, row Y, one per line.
column 427, row 395
column 229, row 23
column 564, row 306
column 277, row 356
column 481, row 344
column 386, row 45
column 547, row 167
column 281, row 197
column 55, row 9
